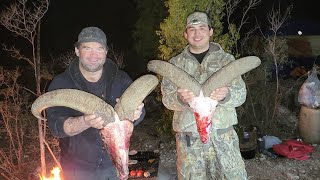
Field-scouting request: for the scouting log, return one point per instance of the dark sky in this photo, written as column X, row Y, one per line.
column 306, row 9
column 301, row 8
column 303, row 16
column 65, row 19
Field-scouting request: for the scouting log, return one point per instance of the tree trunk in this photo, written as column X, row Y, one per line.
column 41, row 126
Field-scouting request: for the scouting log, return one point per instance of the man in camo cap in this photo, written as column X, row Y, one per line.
column 220, row 157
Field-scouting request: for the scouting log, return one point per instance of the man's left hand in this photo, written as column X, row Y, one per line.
column 219, row 94
column 136, row 114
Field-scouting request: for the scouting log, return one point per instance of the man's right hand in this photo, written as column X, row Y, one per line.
column 185, row 95
column 94, row 121
column 75, row 125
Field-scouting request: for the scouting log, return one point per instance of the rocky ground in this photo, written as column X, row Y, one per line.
column 145, row 138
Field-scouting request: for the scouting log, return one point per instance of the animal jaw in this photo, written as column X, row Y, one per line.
column 116, row 137
column 203, row 107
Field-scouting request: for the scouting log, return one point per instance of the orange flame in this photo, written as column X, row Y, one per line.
column 55, row 175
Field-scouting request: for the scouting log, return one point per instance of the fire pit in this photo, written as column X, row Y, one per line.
column 147, row 165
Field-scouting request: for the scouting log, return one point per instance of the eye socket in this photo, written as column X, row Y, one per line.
column 86, row 48
column 101, row 49
column 203, row 29
column 190, row 29
column 98, row 50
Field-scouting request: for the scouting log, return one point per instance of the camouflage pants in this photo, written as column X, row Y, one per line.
column 219, row 158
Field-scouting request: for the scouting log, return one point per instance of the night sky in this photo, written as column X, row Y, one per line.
column 65, row 19
column 303, row 15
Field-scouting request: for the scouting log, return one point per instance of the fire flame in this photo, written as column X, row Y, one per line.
column 55, row 175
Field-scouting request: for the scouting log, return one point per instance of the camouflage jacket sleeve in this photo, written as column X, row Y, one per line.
column 170, row 97
column 237, row 94
column 237, row 91
column 225, row 112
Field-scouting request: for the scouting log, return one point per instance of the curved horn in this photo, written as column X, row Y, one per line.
column 176, row 75
column 134, row 95
column 79, row 100
column 229, row 72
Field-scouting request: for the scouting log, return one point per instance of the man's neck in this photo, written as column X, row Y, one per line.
column 198, row 50
column 91, row 76
column 200, row 56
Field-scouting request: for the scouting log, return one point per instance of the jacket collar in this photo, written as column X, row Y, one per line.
column 110, row 70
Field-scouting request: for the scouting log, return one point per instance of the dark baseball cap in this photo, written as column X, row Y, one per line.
column 92, row 34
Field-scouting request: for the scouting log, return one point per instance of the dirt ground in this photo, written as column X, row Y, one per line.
column 145, row 138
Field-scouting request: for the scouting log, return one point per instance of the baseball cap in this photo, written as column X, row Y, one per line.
column 92, row 34
column 198, row 18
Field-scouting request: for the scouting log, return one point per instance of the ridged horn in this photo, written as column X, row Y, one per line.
column 176, row 75
column 79, row 100
column 229, row 72
column 135, row 94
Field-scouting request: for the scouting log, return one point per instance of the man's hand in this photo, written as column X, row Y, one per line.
column 219, row 94
column 94, row 121
column 137, row 113
column 75, row 125
column 185, row 95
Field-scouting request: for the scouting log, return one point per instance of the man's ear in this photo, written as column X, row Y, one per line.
column 185, row 34
column 76, row 50
column 211, row 31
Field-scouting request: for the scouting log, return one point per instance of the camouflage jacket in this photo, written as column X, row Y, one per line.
column 225, row 113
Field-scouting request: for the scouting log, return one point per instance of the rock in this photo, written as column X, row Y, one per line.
column 292, row 176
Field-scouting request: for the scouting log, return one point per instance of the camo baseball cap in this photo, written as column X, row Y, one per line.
column 92, row 34
column 198, row 18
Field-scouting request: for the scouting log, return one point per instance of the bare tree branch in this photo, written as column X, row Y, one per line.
column 117, row 57
column 63, row 59
column 15, row 53
column 259, row 27
column 252, row 4
column 231, row 6
column 247, row 37
column 276, row 19
column 235, row 28
column 21, row 20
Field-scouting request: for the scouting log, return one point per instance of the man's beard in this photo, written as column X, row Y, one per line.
column 92, row 68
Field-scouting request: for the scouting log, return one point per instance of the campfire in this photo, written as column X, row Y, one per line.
column 55, row 175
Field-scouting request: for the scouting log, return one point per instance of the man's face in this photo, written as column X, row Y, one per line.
column 198, row 37
column 92, row 56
